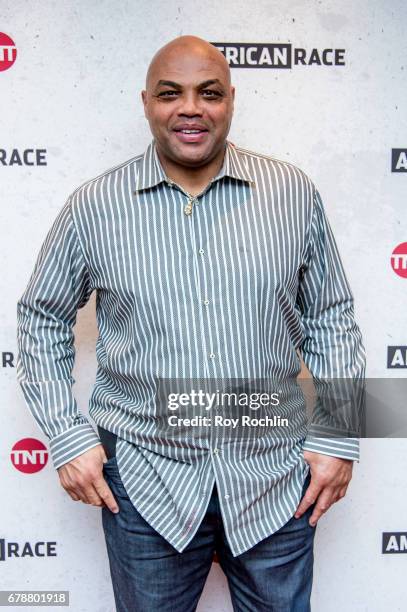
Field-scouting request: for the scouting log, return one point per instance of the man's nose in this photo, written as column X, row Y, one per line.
column 190, row 105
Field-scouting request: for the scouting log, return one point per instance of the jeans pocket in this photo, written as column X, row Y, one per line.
column 112, row 476
column 110, row 461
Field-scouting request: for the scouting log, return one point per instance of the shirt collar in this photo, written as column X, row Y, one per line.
column 151, row 172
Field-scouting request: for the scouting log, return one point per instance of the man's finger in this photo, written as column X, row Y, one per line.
column 324, row 502
column 309, row 498
column 82, row 492
column 342, row 492
column 98, row 493
column 91, row 495
column 105, row 494
column 86, row 493
column 73, row 495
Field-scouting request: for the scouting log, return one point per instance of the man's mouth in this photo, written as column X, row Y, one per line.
column 191, row 131
column 190, row 135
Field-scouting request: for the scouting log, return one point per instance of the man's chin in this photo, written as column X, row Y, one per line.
column 192, row 155
column 192, row 158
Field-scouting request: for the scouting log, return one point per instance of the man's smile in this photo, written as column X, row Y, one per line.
column 190, row 133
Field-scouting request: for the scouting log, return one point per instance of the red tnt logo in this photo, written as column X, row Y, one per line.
column 399, row 260
column 8, row 52
column 29, row 455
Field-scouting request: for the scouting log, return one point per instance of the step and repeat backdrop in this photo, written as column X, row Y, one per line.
column 321, row 84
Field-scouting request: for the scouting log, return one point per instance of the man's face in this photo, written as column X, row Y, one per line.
column 189, row 105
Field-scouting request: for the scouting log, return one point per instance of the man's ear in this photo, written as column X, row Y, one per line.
column 144, row 100
column 232, row 91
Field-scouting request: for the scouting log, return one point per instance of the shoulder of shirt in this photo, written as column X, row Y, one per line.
column 273, row 161
column 114, row 169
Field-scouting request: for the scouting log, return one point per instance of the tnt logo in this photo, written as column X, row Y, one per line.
column 8, row 52
column 399, row 260
column 29, row 455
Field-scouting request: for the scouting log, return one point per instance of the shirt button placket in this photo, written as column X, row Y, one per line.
column 210, row 353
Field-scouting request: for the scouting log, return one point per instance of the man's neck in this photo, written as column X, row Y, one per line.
column 192, row 180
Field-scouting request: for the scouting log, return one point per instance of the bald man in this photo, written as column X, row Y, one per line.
column 214, row 263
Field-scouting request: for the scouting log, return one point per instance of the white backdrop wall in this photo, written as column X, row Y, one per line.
column 74, row 91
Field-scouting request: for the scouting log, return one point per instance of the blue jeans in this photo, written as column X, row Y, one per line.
column 149, row 575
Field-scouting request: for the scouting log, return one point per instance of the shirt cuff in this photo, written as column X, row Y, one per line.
column 72, row 443
column 344, row 448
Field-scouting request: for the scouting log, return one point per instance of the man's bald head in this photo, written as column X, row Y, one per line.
column 186, row 46
column 188, row 102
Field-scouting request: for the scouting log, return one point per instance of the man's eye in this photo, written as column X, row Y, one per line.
column 167, row 94
column 210, row 93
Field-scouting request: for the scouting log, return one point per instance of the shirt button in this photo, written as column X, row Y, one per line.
column 206, row 302
column 211, row 355
column 227, row 496
column 215, row 451
column 201, row 251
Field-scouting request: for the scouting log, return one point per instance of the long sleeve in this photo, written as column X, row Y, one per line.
column 332, row 347
column 46, row 313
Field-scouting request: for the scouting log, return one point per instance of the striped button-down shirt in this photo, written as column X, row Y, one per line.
column 228, row 285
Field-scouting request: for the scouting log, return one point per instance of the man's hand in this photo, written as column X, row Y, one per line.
column 83, row 479
column 330, row 477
